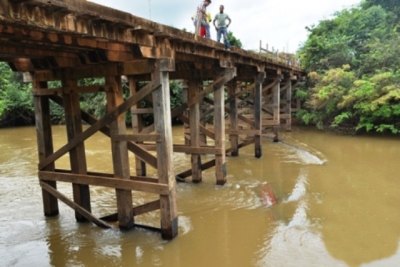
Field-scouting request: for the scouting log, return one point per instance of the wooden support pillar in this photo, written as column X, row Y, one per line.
column 45, row 144
column 137, row 125
column 219, row 130
column 259, row 79
column 119, row 152
column 276, row 98
column 219, row 123
column 186, row 127
column 288, row 108
column 203, row 121
column 233, row 115
column 77, row 157
column 194, row 125
column 163, row 127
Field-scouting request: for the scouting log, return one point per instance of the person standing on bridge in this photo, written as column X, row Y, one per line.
column 201, row 18
column 223, row 22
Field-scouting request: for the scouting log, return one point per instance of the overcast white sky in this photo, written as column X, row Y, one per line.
column 280, row 23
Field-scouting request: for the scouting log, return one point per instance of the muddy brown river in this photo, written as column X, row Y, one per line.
column 338, row 205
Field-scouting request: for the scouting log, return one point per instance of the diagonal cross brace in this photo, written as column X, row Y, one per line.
column 108, row 118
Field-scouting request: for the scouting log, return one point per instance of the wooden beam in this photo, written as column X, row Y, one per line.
column 194, row 124
column 101, row 180
column 137, row 125
column 162, row 123
column 85, row 213
column 138, row 137
column 233, row 116
column 45, row 144
column 276, row 102
column 77, row 157
column 138, row 210
column 259, row 79
column 200, row 150
column 249, row 132
column 119, row 151
column 219, row 128
column 288, row 108
column 204, row 166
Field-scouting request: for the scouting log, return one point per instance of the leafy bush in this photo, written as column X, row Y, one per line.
column 353, row 62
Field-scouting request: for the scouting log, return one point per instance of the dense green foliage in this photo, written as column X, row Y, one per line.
column 233, row 41
column 16, row 106
column 353, row 63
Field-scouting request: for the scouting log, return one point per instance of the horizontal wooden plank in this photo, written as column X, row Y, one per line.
column 185, row 174
column 203, row 150
column 114, row 182
column 58, row 91
column 142, row 111
column 138, row 210
column 245, row 132
column 138, row 137
column 110, row 175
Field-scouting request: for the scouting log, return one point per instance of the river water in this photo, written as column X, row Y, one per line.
column 338, row 205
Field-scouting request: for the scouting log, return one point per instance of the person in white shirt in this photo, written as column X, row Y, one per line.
column 221, row 23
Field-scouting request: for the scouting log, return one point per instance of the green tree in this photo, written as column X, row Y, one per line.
column 353, row 62
column 16, row 106
column 233, row 40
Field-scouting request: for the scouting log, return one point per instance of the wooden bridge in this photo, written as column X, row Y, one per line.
column 70, row 40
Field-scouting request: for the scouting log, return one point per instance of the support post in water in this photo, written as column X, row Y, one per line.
column 259, row 79
column 137, row 125
column 219, row 124
column 233, row 115
column 45, row 144
column 194, row 124
column 163, row 127
column 73, row 121
column 119, row 152
column 276, row 98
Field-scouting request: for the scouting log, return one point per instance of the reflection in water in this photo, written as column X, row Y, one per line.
column 337, row 205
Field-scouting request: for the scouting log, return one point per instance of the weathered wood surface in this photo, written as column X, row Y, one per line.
column 163, row 127
column 77, row 155
column 82, row 211
column 45, row 145
column 77, row 33
column 119, row 150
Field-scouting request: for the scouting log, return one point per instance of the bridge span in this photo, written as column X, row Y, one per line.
column 244, row 93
